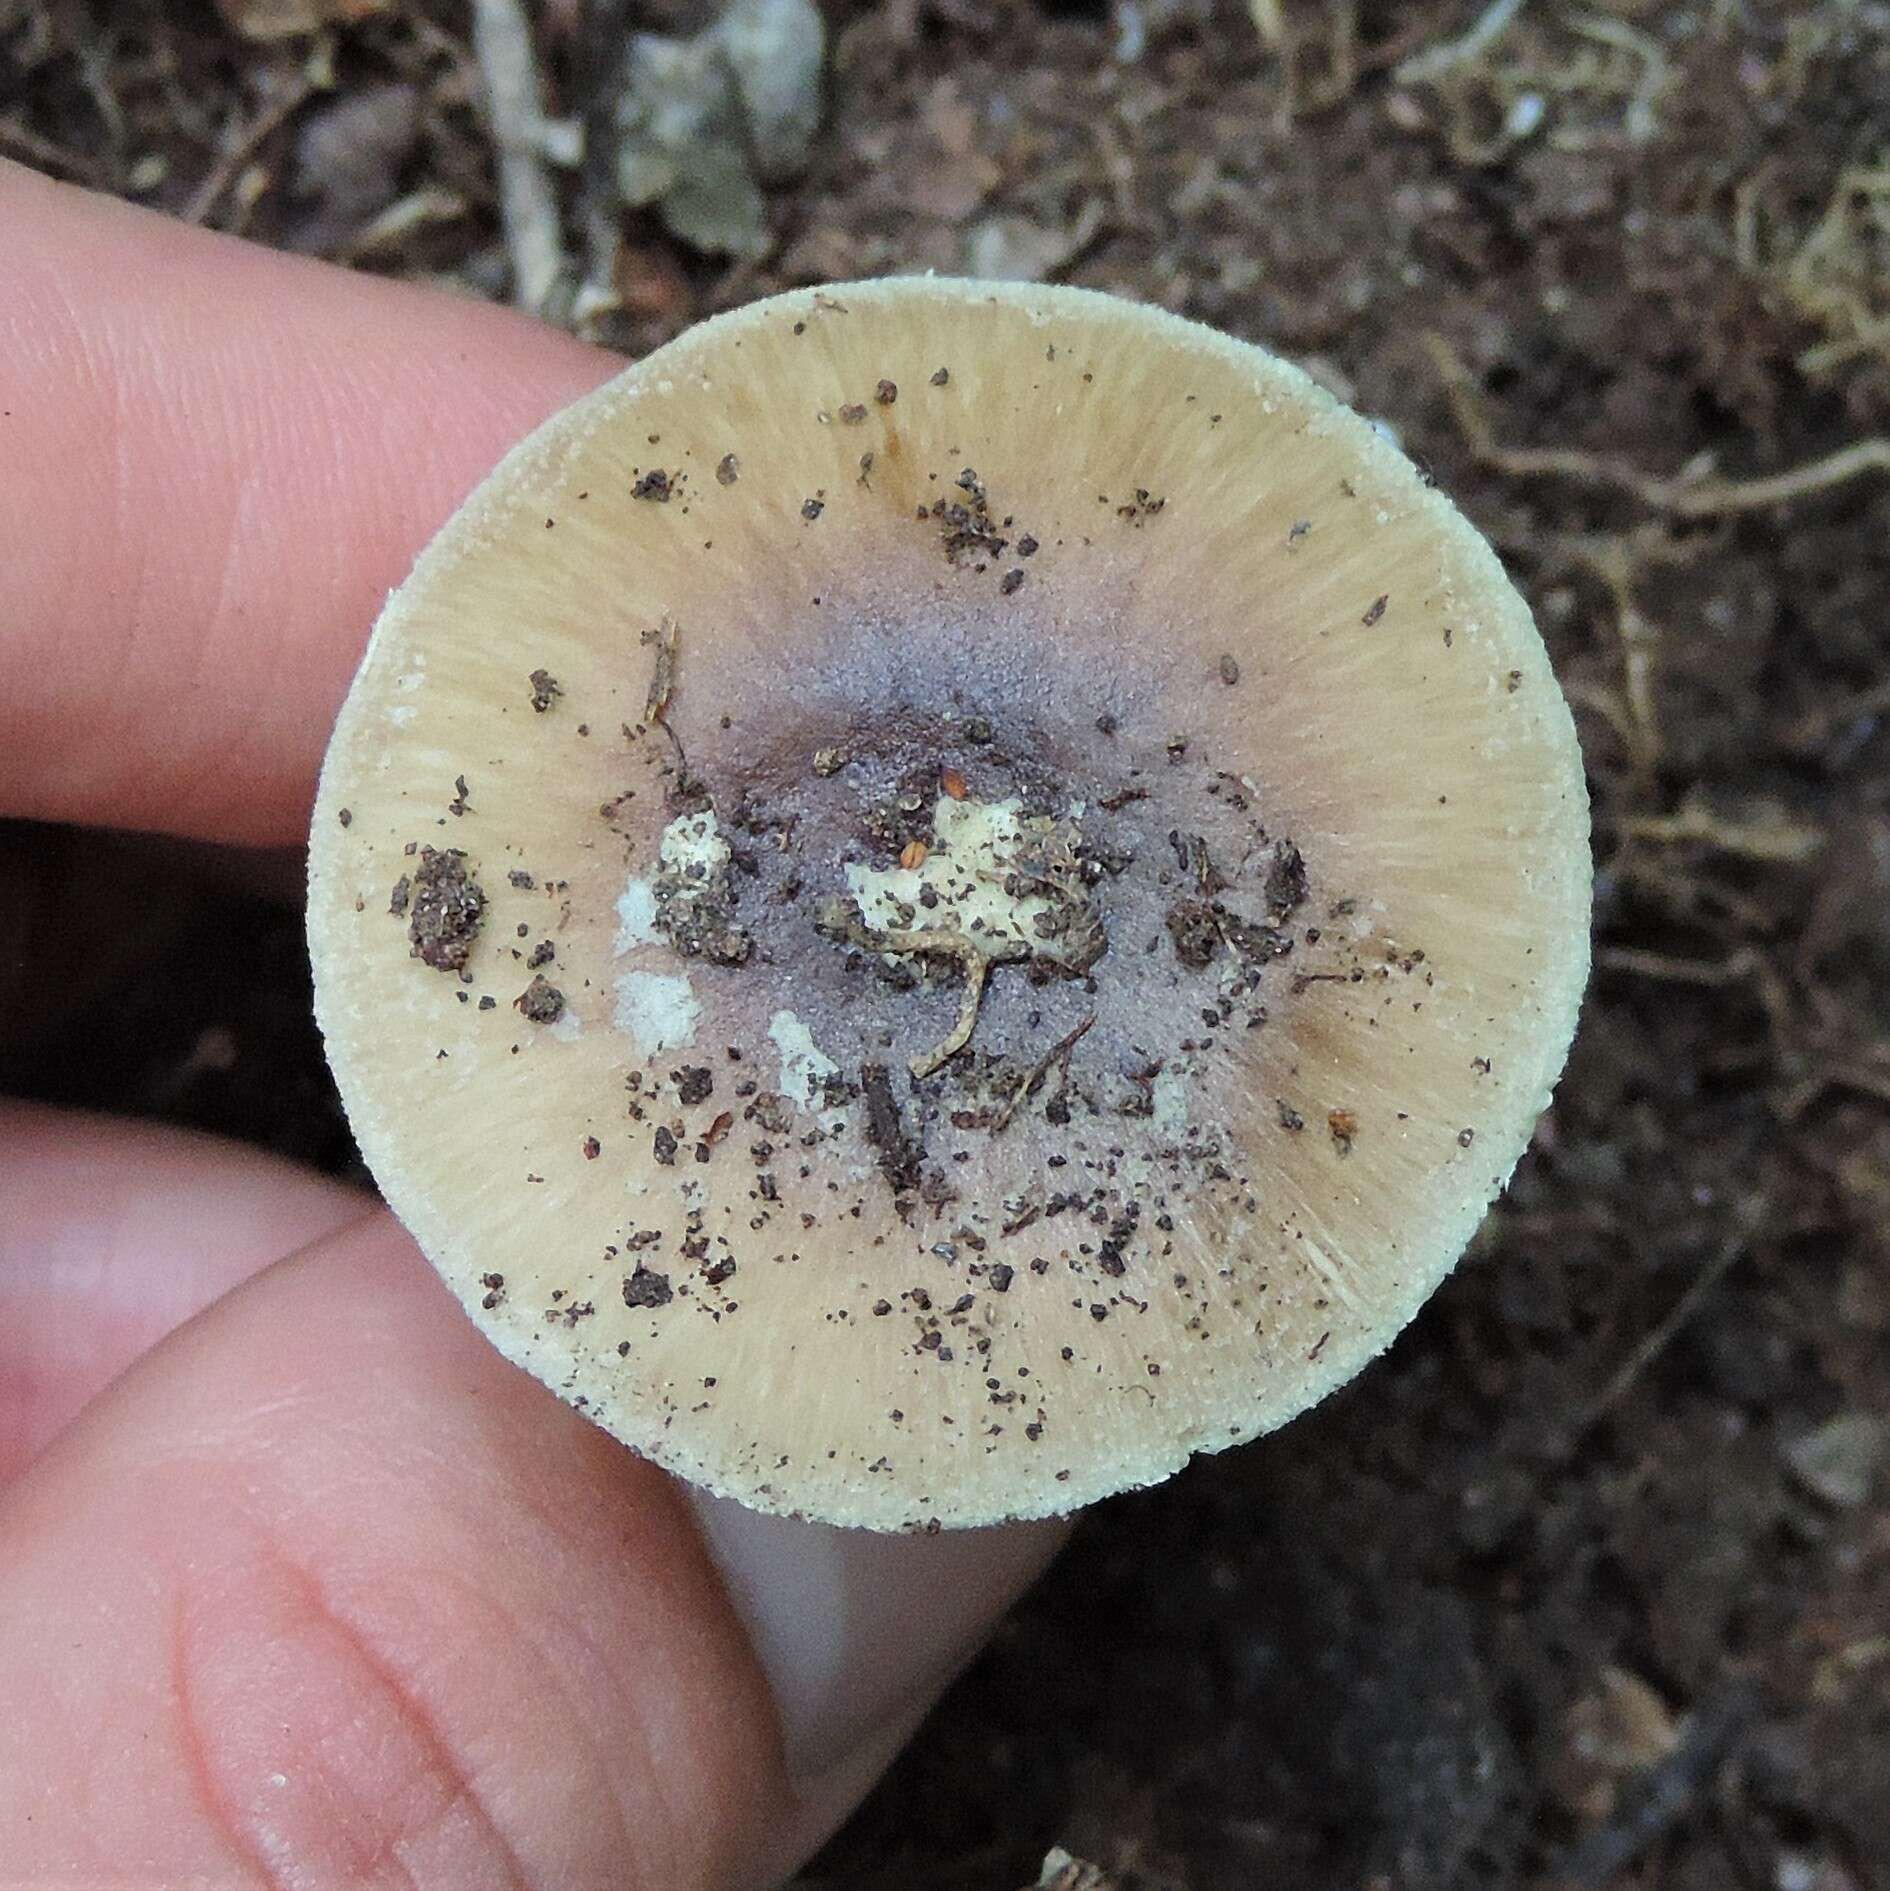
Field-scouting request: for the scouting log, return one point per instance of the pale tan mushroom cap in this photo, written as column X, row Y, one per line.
column 1265, row 1118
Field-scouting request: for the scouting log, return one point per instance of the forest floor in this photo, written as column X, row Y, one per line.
column 1588, row 1582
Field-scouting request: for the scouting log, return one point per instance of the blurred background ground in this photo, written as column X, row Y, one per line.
column 1588, row 1583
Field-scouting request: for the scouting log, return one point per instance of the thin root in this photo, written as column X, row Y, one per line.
column 1683, row 498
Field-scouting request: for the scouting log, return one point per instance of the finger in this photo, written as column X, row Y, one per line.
column 323, row 1592
column 220, row 460
column 113, row 1233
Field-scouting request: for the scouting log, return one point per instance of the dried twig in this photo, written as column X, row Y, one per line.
column 1656, row 1342
column 663, row 672
column 1059, row 1052
column 1683, row 498
column 244, row 146
column 502, row 43
column 975, row 956
column 56, row 158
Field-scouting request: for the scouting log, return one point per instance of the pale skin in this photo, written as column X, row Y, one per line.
column 300, row 1583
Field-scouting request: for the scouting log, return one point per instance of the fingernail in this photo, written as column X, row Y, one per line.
column 852, row 1627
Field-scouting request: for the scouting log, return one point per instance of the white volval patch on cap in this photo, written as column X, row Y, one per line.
column 973, row 844
column 692, row 841
column 1171, row 1096
column 658, row 1009
column 636, row 916
column 804, row 1065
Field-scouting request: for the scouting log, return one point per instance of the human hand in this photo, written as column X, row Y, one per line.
column 316, row 1590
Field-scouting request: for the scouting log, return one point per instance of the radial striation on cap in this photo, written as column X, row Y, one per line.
column 945, row 895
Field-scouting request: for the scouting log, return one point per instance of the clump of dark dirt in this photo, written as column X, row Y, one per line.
column 1564, row 1590
column 444, row 906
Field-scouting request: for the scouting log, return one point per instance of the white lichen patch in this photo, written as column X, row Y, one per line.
column 658, row 1009
column 804, row 1065
column 974, row 846
column 636, row 916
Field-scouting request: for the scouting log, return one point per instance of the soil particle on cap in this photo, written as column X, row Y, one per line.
column 695, row 1083
column 663, row 639
column 728, row 469
column 654, row 485
column 1012, row 580
column 1342, row 1126
column 970, row 535
column 695, row 909
column 522, row 881
column 541, row 1001
column 1287, row 883
column 446, row 906
column 1375, row 610
column 811, row 509
column 646, row 1288
column 886, row 393
column 941, row 376
column 545, row 690
column 541, row 954
column 401, row 894
column 852, row 414
column 899, row 1157
column 1229, row 670
column 345, row 816
column 462, row 796
column 1290, row 1118
column 1195, row 932
column 665, row 1146
column 494, row 1284
column 592, row 1148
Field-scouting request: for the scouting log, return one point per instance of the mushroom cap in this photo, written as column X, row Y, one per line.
column 1213, row 766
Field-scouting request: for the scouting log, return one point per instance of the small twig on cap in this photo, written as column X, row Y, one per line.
column 528, row 205
column 1058, row 1053
column 975, row 956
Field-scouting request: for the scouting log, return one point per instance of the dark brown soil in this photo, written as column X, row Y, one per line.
column 1559, row 1593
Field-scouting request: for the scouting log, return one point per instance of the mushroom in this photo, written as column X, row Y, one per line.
column 947, row 894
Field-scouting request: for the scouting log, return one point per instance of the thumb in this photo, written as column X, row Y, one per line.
column 323, row 1592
